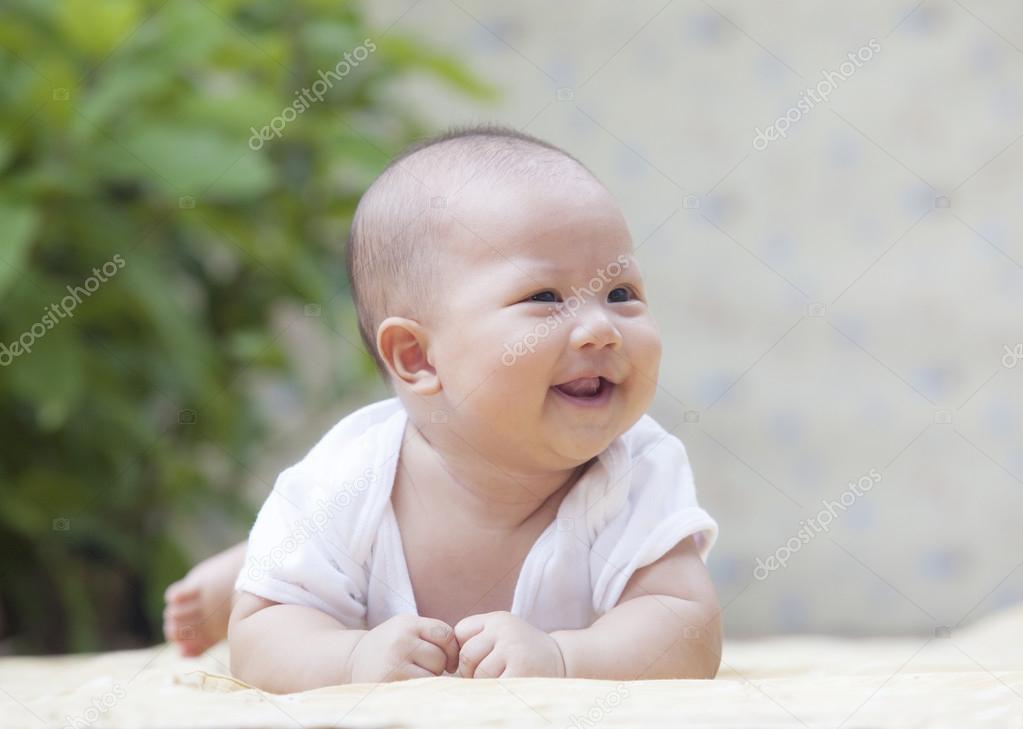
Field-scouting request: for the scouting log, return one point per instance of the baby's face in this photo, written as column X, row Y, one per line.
column 543, row 342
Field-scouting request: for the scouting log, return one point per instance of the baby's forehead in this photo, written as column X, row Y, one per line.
column 556, row 226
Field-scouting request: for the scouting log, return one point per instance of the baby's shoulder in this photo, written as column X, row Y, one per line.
column 346, row 473
column 648, row 444
column 652, row 469
column 359, row 434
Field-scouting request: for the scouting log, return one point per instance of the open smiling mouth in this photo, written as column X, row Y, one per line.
column 586, row 390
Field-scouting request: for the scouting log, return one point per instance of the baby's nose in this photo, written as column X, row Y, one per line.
column 595, row 330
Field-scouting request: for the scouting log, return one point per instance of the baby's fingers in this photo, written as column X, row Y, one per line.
column 468, row 627
column 474, row 651
column 491, row 667
column 407, row 672
column 430, row 657
column 443, row 636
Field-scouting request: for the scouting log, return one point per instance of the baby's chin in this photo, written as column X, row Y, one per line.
column 583, row 444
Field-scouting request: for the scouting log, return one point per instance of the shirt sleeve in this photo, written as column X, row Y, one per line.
column 295, row 554
column 660, row 511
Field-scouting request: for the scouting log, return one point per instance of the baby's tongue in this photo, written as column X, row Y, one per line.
column 583, row 387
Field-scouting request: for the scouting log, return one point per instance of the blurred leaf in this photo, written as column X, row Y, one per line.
column 191, row 161
column 113, row 94
column 50, row 375
column 97, row 26
column 407, row 54
column 18, row 223
column 6, row 148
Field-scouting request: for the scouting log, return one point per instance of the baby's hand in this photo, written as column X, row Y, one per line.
column 500, row 645
column 406, row 646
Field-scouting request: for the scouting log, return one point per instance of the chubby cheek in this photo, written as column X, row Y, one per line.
column 652, row 351
column 525, row 349
column 525, row 383
column 492, row 368
column 463, row 364
column 644, row 351
column 499, row 414
column 518, row 393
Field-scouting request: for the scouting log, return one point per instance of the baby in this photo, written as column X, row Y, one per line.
column 512, row 512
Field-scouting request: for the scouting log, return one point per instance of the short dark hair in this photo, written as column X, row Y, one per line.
column 392, row 266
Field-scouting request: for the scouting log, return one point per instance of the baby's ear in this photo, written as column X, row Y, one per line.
column 402, row 344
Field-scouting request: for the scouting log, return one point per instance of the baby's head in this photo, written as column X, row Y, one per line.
column 495, row 286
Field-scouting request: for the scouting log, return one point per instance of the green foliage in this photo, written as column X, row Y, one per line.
column 125, row 132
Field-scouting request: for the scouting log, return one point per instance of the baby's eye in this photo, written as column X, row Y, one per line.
column 620, row 294
column 545, row 297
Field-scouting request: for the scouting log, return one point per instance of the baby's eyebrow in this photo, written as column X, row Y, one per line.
column 547, row 267
column 543, row 266
column 526, row 266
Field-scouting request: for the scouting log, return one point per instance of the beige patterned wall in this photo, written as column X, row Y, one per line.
column 842, row 307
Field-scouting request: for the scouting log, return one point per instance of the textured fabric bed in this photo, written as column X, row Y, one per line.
column 968, row 677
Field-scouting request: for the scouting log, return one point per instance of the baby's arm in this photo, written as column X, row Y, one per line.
column 666, row 625
column 287, row 648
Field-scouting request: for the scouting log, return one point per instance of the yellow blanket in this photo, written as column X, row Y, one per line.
column 969, row 678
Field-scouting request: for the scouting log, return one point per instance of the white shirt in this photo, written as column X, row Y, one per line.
column 327, row 537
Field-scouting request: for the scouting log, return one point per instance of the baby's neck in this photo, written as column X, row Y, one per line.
column 463, row 482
